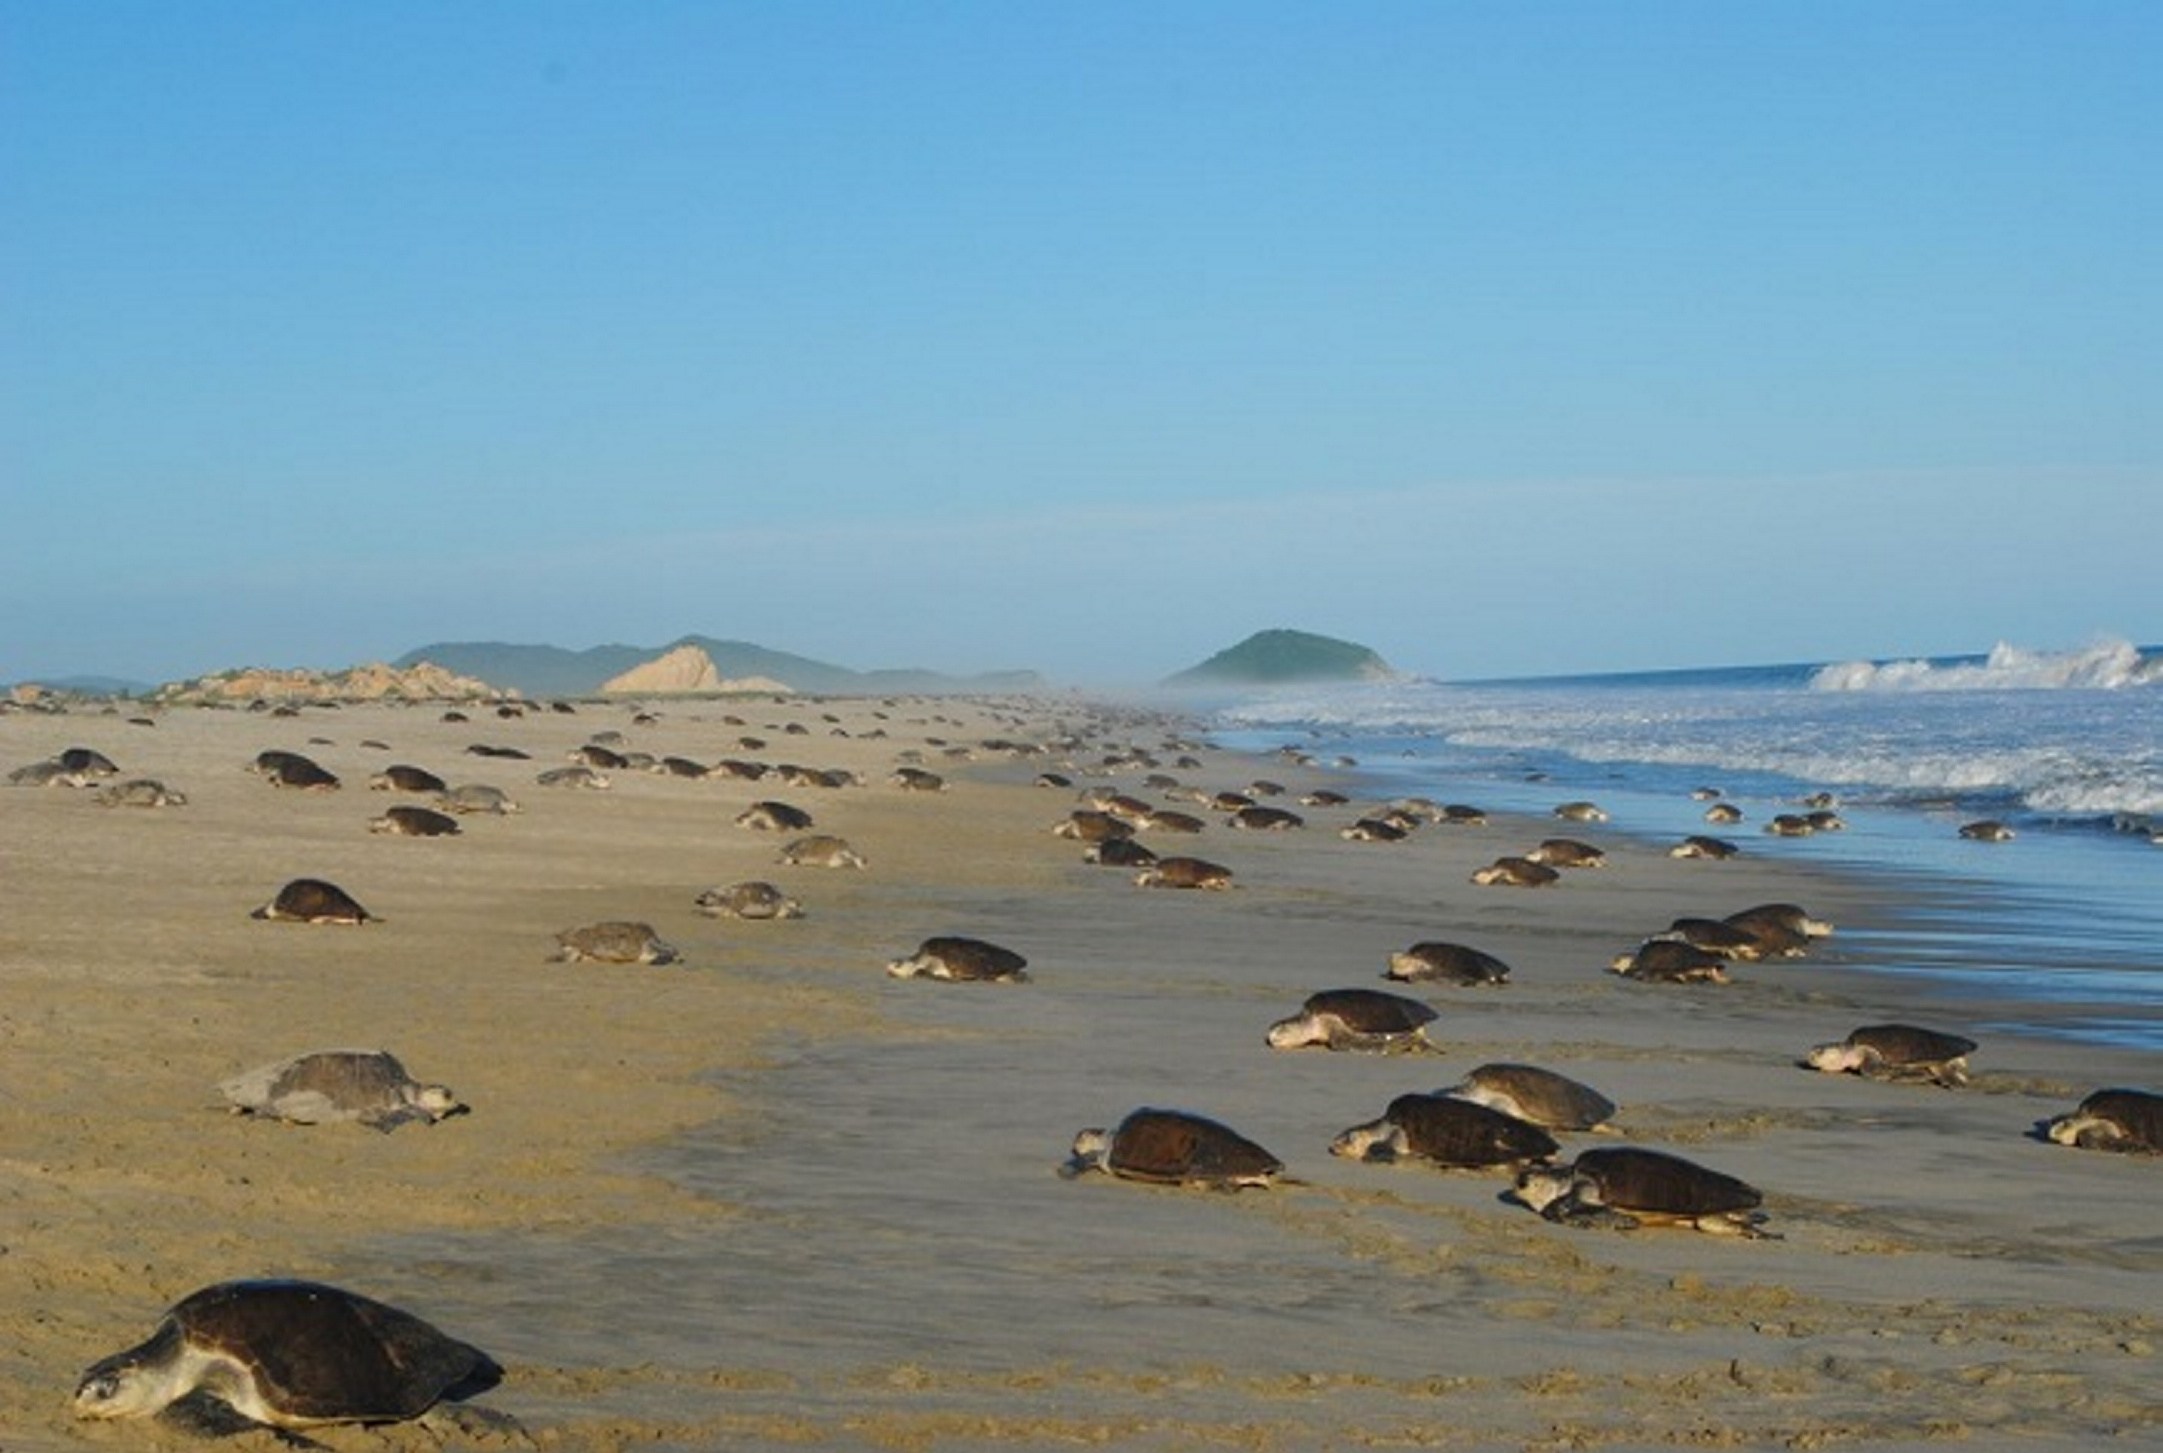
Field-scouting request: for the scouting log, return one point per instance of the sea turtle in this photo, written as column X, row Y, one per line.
column 1987, row 830
column 1581, row 812
column 1788, row 917
column 1718, row 936
column 1355, row 1019
column 598, row 757
column 822, row 851
column 1790, row 824
column 1699, row 846
column 1514, row 872
column 1542, row 1097
column 574, row 777
column 735, row 769
column 1374, row 830
column 614, row 942
column 1626, row 1186
column 88, row 762
column 754, row 899
column 1165, row 819
column 1266, row 819
column 407, row 821
column 48, row 773
column 311, row 900
column 1184, row 873
column 401, row 778
column 1088, row 825
column 289, row 1355
column 1433, row 962
column 1174, row 1147
column 1564, row 852
column 2129, row 1121
column 1671, row 961
column 961, row 960
column 478, row 797
column 140, row 792
column 1447, row 1131
column 1825, row 820
column 368, row 1085
column 1897, row 1052
column 1119, row 852
column 1461, row 814
column 295, row 771
column 916, row 779
column 1323, row 797
column 1723, row 814
column 770, row 816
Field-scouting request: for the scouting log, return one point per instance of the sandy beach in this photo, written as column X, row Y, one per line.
column 772, row 1197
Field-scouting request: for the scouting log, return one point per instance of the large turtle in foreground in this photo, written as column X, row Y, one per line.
column 325, row 1085
column 1626, row 1187
column 1174, row 1147
column 289, row 1355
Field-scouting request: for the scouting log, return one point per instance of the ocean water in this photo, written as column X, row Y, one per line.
column 2066, row 748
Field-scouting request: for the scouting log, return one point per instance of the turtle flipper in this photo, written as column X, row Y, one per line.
column 1576, row 1211
column 206, row 1415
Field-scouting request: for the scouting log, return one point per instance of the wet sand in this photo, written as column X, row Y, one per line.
column 773, row 1198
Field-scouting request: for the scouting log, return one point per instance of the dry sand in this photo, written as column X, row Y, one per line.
column 772, row 1198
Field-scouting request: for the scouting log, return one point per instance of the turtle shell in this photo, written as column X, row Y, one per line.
column 311, row 900
column 1541, row 1096
column 1451, row 1131
column 1370, row 1011
column 320, row 1354
column 1906, row 1044
column 1178, row 1147
column 1629, row 1178
column 1450, row 963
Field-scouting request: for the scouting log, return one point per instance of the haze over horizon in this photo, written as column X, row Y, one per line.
column 1508, row 341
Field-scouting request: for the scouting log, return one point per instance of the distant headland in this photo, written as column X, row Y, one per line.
column 1283, row 657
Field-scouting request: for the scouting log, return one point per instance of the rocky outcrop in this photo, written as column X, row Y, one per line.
column 682, row 672
column 374, row 681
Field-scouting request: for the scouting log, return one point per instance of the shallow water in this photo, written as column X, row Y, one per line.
column 2069, row 913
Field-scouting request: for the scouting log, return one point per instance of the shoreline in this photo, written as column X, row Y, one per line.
column 730, row 1201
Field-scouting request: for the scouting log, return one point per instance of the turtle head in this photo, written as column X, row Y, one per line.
column 436, row 1101
column 2070, row 1128
column 1090, row 1149
column 1838, row 1058
column 124, row 1385
column 1540, row 1186
column 907, row 968
column 1295, row 1032
column 1377, row 1140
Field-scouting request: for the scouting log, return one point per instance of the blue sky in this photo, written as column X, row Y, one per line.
column 1508, row 339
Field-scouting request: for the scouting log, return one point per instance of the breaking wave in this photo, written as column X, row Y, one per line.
column 2104, row 666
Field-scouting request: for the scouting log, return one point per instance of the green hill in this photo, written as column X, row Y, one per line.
column 1280, row 656
column 558, row 671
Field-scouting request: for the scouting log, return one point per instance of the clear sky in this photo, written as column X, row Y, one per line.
column 1504, row 338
